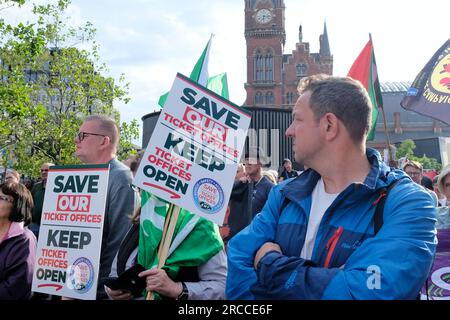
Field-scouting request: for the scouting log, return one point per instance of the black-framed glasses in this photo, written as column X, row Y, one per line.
column 81, row 135
column 5, row 198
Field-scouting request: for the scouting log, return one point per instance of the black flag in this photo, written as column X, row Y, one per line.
column 429, row 94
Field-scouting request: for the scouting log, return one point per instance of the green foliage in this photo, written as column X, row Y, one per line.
column 47, row 86
column 428, row 163
column 406, row 149
column 128, row 132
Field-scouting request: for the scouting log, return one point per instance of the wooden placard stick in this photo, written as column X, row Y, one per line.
column 166, row 225
column 164, row 252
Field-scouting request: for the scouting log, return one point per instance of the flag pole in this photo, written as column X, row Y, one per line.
column 386, row 133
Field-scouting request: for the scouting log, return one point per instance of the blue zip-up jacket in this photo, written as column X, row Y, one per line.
column 348, row 261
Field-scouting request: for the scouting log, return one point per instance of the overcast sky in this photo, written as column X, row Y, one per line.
column 149, row 40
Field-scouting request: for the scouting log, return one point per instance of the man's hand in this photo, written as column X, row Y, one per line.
column 266, row 247
column 118, row 294
column 159, row 281
column 245, row 179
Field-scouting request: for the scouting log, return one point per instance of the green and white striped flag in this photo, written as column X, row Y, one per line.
column 200, row 74
column 195, row 239
column 219, row 85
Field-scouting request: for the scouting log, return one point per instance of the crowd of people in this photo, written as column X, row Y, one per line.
column 346, row 226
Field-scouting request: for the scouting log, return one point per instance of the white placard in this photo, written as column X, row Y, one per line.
column 193, row 154
column 70, row 236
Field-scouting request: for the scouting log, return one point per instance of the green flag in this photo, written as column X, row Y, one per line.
column 195, row 239
column 219, row 84
column 199, row 74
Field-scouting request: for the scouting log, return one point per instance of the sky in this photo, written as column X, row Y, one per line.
column 150, row 41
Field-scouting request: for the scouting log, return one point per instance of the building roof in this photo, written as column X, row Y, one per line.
column 324, row 43
column 390, row 87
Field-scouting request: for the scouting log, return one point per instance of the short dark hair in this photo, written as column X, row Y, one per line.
column 346, row 98
column 108, row 126
column 22, row 204
column 134, row 165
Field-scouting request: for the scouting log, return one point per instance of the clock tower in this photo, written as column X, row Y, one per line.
column 272, row 75
column 265, row 36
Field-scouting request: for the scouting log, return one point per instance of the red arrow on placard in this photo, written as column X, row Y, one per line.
column 174, row 195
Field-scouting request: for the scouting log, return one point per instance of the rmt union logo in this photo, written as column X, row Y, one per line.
column 374, row 280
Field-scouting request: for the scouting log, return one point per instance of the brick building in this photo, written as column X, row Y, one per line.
column 272, row 77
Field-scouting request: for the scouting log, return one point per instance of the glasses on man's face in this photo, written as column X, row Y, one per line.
column 82, row 135
column 5, row 198
column 413, row 174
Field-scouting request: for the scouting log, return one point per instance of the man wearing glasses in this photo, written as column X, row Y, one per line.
column 414, row 170
column 96, row 143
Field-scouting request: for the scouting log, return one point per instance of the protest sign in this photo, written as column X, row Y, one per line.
column 193, row 154
column 70, row 236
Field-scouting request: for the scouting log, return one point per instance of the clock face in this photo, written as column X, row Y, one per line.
column 263, row 16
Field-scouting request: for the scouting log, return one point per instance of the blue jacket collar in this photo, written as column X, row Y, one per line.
column 379, row 176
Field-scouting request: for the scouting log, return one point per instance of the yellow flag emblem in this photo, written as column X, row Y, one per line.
column 440, row 78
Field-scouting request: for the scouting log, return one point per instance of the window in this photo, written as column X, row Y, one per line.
column 31, row 76
column 269, row 97
column 269, row 67
column 259, row 98
column 263, row 66
column 289, row 98
column 258, row 66
column 302, row 70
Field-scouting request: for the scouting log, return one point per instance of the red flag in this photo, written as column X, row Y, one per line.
column 364, row 69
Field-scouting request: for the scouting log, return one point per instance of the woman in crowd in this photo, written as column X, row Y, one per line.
column 17, row 242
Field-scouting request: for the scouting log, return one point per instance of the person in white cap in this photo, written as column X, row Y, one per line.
column 444, row 183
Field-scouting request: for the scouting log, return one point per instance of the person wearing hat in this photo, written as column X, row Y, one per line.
column 249, row 193
column 443, row 183
column 261, row 185
column 287, row 172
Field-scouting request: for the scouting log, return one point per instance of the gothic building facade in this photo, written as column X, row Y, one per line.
column 272, row 76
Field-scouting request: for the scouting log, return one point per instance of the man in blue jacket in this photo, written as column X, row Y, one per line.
column 315, row 238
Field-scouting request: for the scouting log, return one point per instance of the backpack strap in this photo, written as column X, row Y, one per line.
column 285, row 203
column 378, row 216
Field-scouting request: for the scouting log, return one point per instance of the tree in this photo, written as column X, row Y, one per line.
column 406, row 149
column 48, row 83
